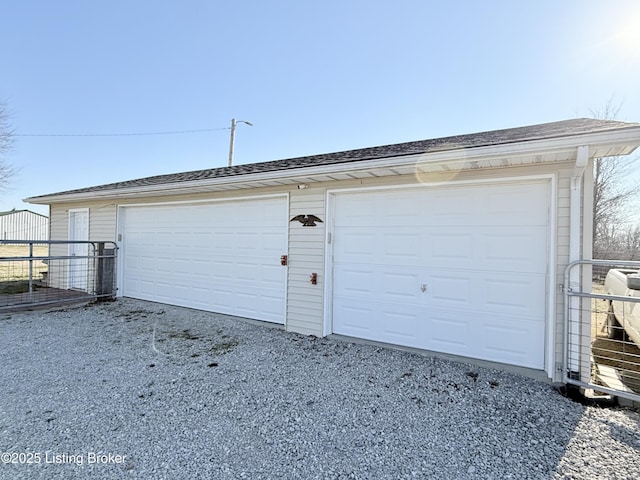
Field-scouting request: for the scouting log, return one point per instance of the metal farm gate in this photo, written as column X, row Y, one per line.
column 58, row 271
column 602, row 327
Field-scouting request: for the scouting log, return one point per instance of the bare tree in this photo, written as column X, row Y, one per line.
column 6, row 140
column 612, row 197
column 632, row 243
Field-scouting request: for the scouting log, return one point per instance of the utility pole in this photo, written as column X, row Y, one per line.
column 233, row 136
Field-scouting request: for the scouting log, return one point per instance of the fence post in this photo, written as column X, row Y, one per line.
column 104, row 270
column 99, row 270
column 30, row 271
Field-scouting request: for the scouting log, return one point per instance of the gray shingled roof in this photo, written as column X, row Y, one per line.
column 497, row 137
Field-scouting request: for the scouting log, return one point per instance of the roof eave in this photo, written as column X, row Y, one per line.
column 626, row 138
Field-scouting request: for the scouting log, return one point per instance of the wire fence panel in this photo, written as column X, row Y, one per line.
column 602, row 325
column 48, row 272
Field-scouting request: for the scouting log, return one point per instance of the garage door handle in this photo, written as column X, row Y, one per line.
column 423, row 287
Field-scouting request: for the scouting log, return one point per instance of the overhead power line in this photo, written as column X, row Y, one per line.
column 137, row 134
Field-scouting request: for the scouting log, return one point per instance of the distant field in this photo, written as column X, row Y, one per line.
column 19, row 270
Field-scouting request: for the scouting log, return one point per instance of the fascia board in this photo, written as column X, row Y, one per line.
column 566, row 144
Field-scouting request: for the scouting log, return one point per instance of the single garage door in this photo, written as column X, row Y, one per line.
column 221, row 257
column 460, row 270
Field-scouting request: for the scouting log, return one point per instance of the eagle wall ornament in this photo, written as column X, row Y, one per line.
column 306, row 220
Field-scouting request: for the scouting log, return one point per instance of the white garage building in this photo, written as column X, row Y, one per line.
column 455, row 245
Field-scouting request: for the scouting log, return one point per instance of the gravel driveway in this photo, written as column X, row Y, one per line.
column 132, row 389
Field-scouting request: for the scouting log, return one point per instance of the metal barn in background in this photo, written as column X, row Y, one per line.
column 23, row 225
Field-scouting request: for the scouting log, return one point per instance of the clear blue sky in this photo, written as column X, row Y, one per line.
column 312, row 77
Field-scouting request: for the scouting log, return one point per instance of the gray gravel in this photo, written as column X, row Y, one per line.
column 179, row 394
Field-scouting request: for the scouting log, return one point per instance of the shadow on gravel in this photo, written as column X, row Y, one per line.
column 187, row 394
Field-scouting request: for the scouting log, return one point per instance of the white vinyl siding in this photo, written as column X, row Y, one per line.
column 102, row 227
column 306, row 256
column 102, row 221
column 59, row 230
column 562, row 258
column 58, row 226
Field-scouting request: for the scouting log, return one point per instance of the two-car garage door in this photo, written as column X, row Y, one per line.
column 222, row 256
column 459, row 270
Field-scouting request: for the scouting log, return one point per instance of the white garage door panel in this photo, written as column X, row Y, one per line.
column 222, row 257
column 482, row 267
column 507, row 205
column 485, row 247
column 521, row 294
column 489, row 337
